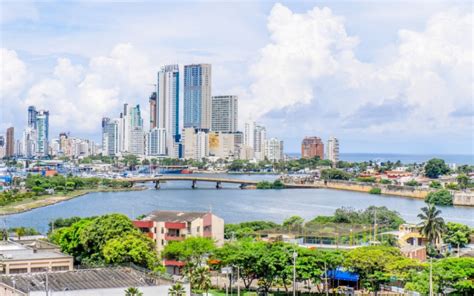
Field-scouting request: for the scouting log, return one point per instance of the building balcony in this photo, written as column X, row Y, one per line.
column 174, row 237
column 175, row 225
column 143, row 224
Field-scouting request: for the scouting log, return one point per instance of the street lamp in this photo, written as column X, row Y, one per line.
column 295, row 254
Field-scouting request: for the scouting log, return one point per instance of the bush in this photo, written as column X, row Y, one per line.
column 375, row 190
column 38, row 190
column 334, row 174
column 366, row 179
column 441, row 197
column 452, row 186
column 412, row 183
column 385, row 181
column 436, row 185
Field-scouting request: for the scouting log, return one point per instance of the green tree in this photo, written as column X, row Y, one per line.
column 412, row 182
column 435, row 167
column 463, row 181
column 441, row 197
column 293, row 222
column 133, row 291
column 20, row 231
column 372, row 264
column 104, row 228
column 432, row 224
column 334, row 174
column 68, row 238
column 457, row 234
column 201, row 279
column 436, row 184
column 177, row 290
column 134, row 248
column 191, row 249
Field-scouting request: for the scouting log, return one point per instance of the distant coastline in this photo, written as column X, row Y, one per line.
column 404, row 158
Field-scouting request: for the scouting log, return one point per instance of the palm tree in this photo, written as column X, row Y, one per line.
column 176, row 290
column 201, row 278
column 132, row 291
column 432, row 225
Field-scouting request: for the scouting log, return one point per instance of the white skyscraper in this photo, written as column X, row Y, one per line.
column 249, row 134
column 156, row 141
column 42, row 133
column 110, row 136
column 167, row 91
column 224, row 114
column 260, row 137
column 274, row 149
column 332, row 152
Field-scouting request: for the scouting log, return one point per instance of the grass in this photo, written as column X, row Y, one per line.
column 46, row 200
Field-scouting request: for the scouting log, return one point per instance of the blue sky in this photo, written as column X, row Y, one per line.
column 382, row 76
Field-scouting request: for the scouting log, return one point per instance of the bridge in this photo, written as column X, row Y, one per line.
column 194, row 179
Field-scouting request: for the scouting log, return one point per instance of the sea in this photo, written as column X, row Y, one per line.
column 458, row 159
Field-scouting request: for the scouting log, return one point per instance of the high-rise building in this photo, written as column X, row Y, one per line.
column 249, row 134
column 10, row 146
column 110, row 136
column 197, row 96
column 224, row 114
column 29, row 142
column 274, row 150
column 42, row 132
column 32, row 113
column 131, row 135
column 333, row 149
column 156, row 140
column 195, row 143
column 260, row 136
column 153, row 113
column 167, row 92
column 312, row 147
column 2, row 146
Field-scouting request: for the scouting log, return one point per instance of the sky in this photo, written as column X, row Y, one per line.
column 382, row 76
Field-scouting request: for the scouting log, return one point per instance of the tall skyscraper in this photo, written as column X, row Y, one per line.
column 153, row 112
column 225, row 110
column 167, row 91
column 312, row 147
column 110, row 136
column 333, row 149
column 42, row 132
column 131, row 134
column 274, row 150
column 156, row 140
column 32, row 113
column 29, row 142
column 197, row 96
column 260, row 138
column 249, row 134
column 10, row 147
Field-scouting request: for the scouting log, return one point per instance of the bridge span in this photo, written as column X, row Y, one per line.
column 194, row 179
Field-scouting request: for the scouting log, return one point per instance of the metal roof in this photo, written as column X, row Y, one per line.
column 103, row 278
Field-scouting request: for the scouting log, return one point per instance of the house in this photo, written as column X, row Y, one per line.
column 168, row 226
column 85, row 282
column 31, row 257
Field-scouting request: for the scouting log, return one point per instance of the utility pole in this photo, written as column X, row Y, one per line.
column 326, row 279
column 294, row 273
column 237, row 283
column 431, row 276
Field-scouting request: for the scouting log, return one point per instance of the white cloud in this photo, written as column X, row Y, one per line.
column 310, row 61
column 13, row 73
column 79, row 97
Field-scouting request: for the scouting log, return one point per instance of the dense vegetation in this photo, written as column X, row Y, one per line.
column 108, row 239
column 36, row 185
column 277, row 184
column 441, row 197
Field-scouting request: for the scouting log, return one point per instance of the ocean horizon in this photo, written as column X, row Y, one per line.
column 458, row 159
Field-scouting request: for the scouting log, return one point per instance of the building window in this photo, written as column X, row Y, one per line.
column 18, row 270
column 60, row 268
column 38, row 269
column 162, row 242
column 198, row 228
column 162, row 230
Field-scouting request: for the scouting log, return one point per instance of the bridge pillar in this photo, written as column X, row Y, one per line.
column 218, row 185
column 194, row 184
column 157, row 184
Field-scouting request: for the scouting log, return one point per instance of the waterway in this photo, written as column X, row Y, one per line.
column 230, row 203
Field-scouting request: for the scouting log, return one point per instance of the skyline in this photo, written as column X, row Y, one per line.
column 401, row 91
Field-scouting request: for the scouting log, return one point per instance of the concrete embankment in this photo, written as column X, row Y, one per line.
column 405, row 191
column 463, row 199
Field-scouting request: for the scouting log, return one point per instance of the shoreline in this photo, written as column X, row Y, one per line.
column 55, row 199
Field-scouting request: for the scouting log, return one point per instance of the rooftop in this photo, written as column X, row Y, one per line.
column 174, row 216
column 13, row 251
column 101, row 278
